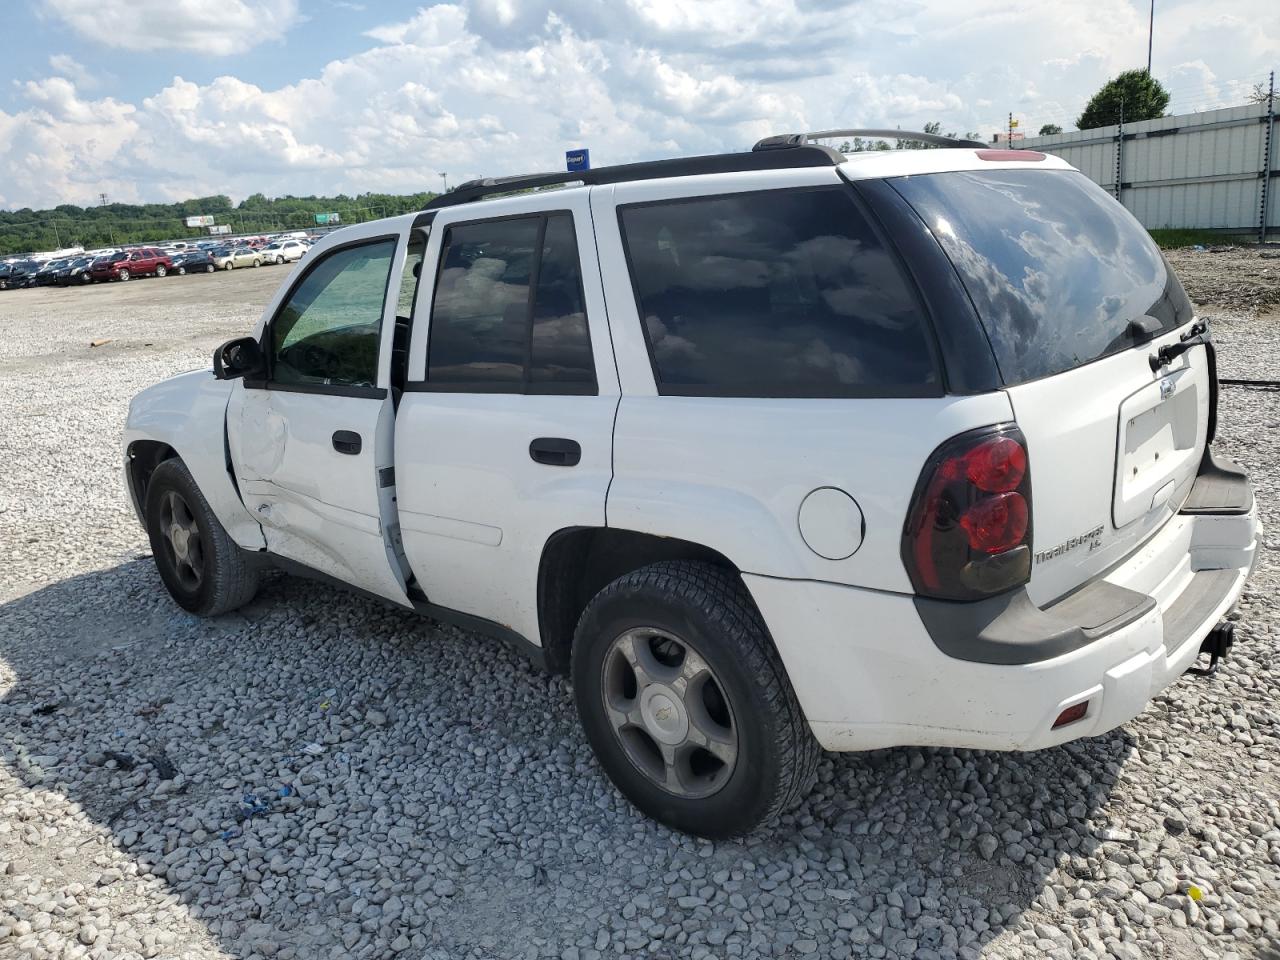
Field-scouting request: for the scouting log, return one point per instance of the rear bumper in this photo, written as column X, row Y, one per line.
column 887, row 682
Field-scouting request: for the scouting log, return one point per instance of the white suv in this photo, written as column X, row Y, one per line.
column 282, row 251
column 769, row 452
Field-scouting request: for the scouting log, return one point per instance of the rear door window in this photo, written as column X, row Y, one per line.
column 508, row 312
column 789, row 293
column 1056, row 268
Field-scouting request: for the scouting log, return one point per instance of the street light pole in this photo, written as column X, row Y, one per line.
column 1151, row 28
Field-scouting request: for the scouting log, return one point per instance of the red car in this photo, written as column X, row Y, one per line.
column 141, row 262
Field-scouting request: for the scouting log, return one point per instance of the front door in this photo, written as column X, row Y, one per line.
column 312, row 443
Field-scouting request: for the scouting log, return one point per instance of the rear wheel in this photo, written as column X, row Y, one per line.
column 160, row 270
column 208, row 268
column 257, row 262
column 201, row 566
column 686, row 703
column 228, row 265
column 279, row 260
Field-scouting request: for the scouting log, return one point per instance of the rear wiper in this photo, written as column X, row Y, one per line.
column 1197, row 335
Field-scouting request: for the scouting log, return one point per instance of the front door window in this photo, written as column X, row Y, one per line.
column 329, row 329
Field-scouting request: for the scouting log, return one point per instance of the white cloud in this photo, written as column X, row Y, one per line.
column 65, row 65
column 491, row 87
column 196, row 26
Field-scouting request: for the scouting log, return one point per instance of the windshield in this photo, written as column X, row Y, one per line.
column 1056, row 268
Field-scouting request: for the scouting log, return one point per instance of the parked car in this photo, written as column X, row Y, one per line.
column 232, row 257
column 746, row 445
column 75, row 272
column 47, row 275
column 281, row 251
column 104, row 268
column 193, row 261
column 138, row 262
column 17, row 274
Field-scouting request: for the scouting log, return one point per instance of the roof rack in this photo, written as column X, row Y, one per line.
column 803, row 155
column 786, row 140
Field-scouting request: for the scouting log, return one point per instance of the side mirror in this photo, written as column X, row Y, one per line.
column 238, row 358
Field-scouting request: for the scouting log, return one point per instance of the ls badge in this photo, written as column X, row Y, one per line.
column 1166, row 388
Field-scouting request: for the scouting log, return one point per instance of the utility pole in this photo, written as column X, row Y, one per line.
column 1009, row 137
column 56, row 239
column 445, row 178
column 1268, row 150
column 1151, row 30
column 102, row 199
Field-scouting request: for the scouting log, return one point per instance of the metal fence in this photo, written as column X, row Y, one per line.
column 1215, row 170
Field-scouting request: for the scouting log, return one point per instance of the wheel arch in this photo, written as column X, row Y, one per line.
column 141, row 459
column 578, row 562
column 185, row 417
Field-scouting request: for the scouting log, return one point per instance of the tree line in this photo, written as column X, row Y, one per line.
column 113, row 224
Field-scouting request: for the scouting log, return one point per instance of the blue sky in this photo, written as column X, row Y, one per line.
column 165, row 99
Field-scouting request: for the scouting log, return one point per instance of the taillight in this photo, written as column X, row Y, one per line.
column 968, row 532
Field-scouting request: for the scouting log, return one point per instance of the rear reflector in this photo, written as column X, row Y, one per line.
column 1071, row 715
column 1031, row 156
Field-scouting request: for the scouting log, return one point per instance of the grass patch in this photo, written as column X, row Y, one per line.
column 1169, row 239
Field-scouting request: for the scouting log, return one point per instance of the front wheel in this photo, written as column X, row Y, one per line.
column 124, row 274
column 686, row 703
column 201, row 566
column 182, row 271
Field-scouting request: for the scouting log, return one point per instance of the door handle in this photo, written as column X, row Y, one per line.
column 347, row 441
column 555, row 451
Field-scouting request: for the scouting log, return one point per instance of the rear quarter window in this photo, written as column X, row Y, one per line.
column 788, row 293
column 1056, row 268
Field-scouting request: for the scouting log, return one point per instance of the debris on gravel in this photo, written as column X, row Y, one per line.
column 316, row 776
column 1229, row 278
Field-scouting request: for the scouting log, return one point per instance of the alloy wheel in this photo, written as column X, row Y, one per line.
column 669, row 712
column 183, row 546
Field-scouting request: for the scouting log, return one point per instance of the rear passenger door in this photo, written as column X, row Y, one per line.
column 504, row 432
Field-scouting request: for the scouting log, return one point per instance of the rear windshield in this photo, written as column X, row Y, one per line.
column 1056, row 268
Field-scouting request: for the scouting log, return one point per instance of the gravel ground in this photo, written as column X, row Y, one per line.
column 413, row 790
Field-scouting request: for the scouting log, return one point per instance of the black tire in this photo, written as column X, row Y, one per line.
column 228, row 265
column 181, row 271
column 160, row 270
column 123, row 274
column 208, row 268
column 710, row 611
column 225, row 576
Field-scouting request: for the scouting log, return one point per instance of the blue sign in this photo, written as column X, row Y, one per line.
column 577, row 160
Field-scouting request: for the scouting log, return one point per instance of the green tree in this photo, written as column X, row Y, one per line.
column 1049, row 128
column 1134, row 95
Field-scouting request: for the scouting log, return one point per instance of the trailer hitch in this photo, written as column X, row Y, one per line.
column 1217, row 644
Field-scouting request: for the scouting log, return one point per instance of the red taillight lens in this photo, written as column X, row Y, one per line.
column 996, row 465
column 968, row 533
column 996, row 524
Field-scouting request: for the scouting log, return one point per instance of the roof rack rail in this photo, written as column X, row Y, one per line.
column 804, row 155
column 787, row 140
